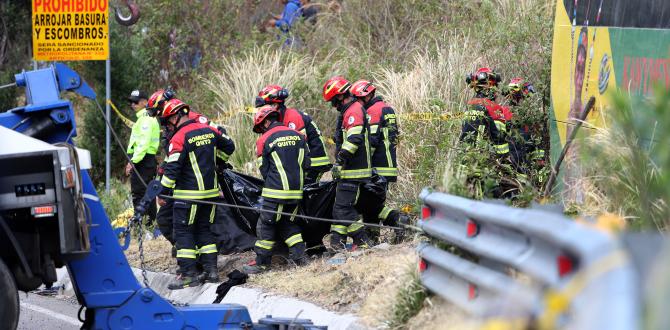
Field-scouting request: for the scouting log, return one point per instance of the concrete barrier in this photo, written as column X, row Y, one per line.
column 259, row 303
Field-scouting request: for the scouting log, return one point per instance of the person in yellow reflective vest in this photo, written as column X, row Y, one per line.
column 142, row 148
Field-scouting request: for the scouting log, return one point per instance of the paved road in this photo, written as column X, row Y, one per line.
column 42, row 313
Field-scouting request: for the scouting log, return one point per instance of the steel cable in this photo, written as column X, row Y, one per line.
column 118, row 141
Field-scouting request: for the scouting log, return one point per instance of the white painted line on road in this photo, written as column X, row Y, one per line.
column 51, row 314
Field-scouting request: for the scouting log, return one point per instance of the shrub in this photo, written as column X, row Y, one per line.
column 117, row 200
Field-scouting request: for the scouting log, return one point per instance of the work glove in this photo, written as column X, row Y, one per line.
column 342, row 156
column 336, row 171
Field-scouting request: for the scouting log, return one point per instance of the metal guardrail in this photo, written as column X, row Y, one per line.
column 493, row 259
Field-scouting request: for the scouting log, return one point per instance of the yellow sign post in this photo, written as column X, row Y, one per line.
column 70, row 30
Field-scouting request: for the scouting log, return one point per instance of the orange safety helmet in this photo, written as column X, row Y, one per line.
column 362, row 88
column 261, row 114
column 335, row 86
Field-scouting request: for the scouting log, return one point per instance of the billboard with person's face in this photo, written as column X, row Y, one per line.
column 601, row 46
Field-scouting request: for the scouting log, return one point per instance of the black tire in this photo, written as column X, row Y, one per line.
column 9, row 299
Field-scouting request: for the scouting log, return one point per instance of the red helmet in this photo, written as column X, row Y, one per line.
column 483, row 77
column 362, row 88
column 335, row 86
column 271, row 94
column 173, row 107
column 261, row 114
column 157, row 101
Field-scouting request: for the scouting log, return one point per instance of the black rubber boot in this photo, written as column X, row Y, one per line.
column 255, row 269
column 337, row 242
column 210, row 276
column 400, row 234
column 297, row 254
column 184, row 281
column 304, row 261
column 361, row 239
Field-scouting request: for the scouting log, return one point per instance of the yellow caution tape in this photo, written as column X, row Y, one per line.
column 429, row 116
column 125, row 120
column 221, row 116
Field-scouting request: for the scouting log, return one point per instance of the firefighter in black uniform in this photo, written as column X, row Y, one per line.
column 383, row 143
column 190, row 174
column 353, row 162
column 283, row 158
column 164, row 216
column 301, row 122
column 154, row 108
column 530, row 126
column 484, row 117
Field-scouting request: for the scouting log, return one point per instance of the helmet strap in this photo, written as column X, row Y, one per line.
column 336, row 102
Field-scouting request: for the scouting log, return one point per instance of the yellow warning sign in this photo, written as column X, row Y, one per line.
column 70, row 30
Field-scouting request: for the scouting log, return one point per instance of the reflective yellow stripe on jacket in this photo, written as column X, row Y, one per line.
column 282, row 194
column 196, row 194
column 319, row 161
column 356, row 174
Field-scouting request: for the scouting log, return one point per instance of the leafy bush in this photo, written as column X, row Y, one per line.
column 117, row 200
column 14, row 48
column 129, row 66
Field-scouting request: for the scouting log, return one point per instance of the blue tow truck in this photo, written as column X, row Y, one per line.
column 51, row 216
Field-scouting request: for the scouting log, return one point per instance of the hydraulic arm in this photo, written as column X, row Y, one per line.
column 104, row 282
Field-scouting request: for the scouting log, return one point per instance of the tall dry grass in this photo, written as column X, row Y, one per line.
column 432, row 83
column 237, row 82
column 416, row 52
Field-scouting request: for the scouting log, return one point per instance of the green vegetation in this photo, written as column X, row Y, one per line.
column 14, row 48
column 117, row 199
column 408, row 301
column 416, row 52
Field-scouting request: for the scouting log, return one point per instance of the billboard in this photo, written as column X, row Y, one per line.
column 601, row 46
column 70, row 30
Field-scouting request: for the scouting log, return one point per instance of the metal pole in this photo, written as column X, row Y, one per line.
column 108, row 92
column 568, row 144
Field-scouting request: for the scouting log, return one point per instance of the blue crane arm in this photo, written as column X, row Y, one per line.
column 103, row 280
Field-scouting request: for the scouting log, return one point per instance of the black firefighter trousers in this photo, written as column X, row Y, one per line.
column 346, row 198
column 193, row 236
column 164, row 220
column 375, row 209
column 271, row 226
column 146, row 169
